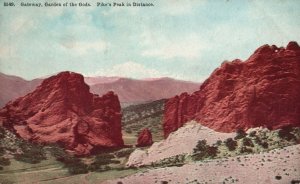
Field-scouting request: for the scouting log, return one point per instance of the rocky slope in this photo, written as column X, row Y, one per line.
column 62, row 110
column 181, row 142
column 261, row 91
column 138, row 117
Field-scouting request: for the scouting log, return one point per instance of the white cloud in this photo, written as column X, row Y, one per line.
column 136, row 70
column 128, row 69
column 82, row 47
column 185, row 47
column 7, row 52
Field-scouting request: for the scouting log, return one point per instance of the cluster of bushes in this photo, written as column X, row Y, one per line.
column 177, row 160
column 124, row 152
column 28, row 152
column 75, row 165
column 240, row 134
column 71, row 162
column 2, row 133
column 31, row 153
column 230, row 144
column 286, row 133
column 202, row 151
column 261, row 143
column 101, row 162
column 4, row 162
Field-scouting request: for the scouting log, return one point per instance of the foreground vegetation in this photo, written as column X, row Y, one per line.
column 255, row 141
column 12, row 147
column 14, row 150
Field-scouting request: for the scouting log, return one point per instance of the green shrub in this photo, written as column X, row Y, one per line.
column 202, row 150
column 231, row 144
column 77, row 168
column 247, row 142
column 278, row 177
column 246, row 150
column 102, row 161
column 177, row 160
column 4, row 161
column 58, row 152
column 240, row 134
column 252, row 133
column 285, row 133
column 73, row 164
column 257, row 140
column 2, row 151
column 124, row 153
column 218, row 143
column 2, row 133
column 264, row 145
column 32, row 153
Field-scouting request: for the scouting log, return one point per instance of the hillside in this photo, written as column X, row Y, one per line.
column 12, row 87
column 141, row 91
column 130, row 91
column 137, row 117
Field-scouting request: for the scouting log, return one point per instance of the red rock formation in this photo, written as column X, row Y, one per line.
column 262, row 91
column 145, row 138
column 62, row 110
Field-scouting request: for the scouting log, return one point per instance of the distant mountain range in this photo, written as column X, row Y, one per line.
column 12, row 87
column 129, row 91
column 138, row 91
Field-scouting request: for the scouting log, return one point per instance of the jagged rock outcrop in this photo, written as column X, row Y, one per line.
column 144, row 138
column 62, row 110
column 262, row 91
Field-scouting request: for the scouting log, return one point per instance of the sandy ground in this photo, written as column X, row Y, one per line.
column 259, row 168
column 183, row 141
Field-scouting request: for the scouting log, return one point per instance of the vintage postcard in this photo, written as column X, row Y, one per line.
column 150, row 91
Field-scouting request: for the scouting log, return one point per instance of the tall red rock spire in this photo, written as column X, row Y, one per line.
column 262, row 91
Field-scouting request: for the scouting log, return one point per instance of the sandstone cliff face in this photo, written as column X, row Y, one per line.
column 62, row 110
column 145, row 138
column 262, row 91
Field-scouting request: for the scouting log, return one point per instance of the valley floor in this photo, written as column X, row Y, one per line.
column 279, row 166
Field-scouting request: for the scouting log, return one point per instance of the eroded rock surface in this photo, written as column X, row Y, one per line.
column 144, row 138
column 261, row 91
column 62, row 110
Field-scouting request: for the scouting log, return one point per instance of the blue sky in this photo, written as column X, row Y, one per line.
column 175, row 38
